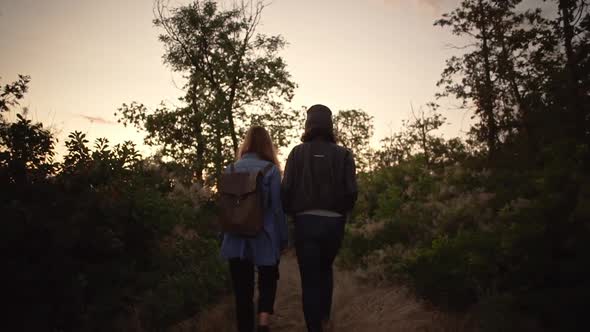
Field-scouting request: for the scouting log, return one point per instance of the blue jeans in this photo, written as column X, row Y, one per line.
column 317, row 241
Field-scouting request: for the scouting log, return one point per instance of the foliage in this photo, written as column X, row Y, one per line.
column 499, row 226
column 462, row 237
column 234, row 77
column 354, row 130
column 104, row 240
column 26, row 151
column 509, row 55
column 419, row 138
column 13, row 92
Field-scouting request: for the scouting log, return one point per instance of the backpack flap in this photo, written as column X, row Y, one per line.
column 238, row 184
column 240, row 203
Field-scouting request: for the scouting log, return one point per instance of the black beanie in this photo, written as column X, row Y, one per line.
column 319, row 116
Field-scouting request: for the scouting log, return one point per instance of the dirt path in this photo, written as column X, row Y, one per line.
column 356, row 308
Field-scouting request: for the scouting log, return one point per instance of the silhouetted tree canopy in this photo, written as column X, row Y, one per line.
column 234, row 76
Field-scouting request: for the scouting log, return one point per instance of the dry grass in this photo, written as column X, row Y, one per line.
column 357, row 307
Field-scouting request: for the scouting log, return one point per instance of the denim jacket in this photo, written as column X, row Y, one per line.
column 265, row 248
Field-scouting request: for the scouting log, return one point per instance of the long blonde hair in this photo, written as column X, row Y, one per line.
column 257, row 140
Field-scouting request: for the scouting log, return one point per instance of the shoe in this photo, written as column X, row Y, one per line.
column 262, row 328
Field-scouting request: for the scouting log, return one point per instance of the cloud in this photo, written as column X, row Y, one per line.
column 432, row 4
column 96, row 119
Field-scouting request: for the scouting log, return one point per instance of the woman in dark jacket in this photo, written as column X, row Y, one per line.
column 318, row 190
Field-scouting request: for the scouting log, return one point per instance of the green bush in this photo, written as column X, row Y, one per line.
column 454, row 272
column 102, row 242
column 492, row 241
column 193, row 279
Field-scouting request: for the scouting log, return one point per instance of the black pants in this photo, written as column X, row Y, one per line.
column 317, row 241
column 242, row 275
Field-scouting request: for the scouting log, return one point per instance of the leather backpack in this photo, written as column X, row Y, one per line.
column 242, row 201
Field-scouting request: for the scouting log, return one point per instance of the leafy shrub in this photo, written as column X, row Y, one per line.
column 100, row 238
column 454, row 272
column 492, row 241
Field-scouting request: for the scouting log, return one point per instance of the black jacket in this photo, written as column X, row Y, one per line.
column 319, row 175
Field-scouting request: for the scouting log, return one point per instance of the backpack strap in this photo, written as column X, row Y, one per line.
column 267, row 168
column 232, row 168
column 263, row 172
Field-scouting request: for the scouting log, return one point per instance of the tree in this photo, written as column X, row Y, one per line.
column 503, row 65
column 573, row 20
column 100, row 233
column 231, row 70
column 354, row 130
column 10, row 94
column 517, row 76
column 474, row 18
column 393, row 150
column 419, row 138
column 284, row 126
column 419, row 134
column 26, row 148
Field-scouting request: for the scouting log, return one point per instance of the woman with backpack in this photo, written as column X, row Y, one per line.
column 255, row 229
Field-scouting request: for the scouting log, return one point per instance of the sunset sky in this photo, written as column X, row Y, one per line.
column 86, row 57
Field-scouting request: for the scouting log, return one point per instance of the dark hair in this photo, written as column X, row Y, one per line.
column 312, row 133
column 257, row 140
